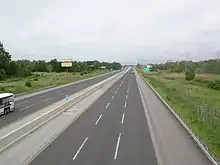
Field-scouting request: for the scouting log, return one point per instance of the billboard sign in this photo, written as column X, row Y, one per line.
column 66, row 63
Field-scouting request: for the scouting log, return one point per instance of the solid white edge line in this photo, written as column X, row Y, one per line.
column 113, row 96
column 122, row 119
column 116, row 92
column 27, row 107
column 152, row 135
column 125, row 105
column 98, row 119
column 117, row 146
column 80, row 148
column 48, row 99
column 126, row 97
column 38, row 117
column 203, row 149
column 107, row 105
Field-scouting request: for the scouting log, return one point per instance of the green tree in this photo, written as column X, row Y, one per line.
column 2, row 74
column 5, row 59
column 189, row 75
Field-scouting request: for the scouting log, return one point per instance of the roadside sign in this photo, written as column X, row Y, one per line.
column 146, row 69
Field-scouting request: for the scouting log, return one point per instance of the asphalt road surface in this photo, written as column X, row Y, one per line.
column 113, row 131
column 32, row 104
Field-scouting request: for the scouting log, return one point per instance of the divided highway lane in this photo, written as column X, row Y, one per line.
column 113, row 130
column 31, row 104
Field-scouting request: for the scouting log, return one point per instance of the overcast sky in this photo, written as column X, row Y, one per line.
column 127, row 31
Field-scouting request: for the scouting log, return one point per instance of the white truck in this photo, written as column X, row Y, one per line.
column 6, row 103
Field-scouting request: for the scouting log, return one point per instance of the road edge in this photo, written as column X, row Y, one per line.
column 152, row 135
column 24, row 95
column 197, row 140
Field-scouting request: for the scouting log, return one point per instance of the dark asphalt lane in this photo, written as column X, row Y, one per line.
column 32, row 104
column 102, row 136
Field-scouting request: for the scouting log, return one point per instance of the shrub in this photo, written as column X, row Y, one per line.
column 35, row 79
column 214, row 84
column 73, row 73
column 82, row 74
column 28, row 84
column 189, row 75
column 2, row 89
column 2, row 74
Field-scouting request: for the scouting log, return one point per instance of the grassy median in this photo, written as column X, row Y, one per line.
column 42, row 79
column 196, row 103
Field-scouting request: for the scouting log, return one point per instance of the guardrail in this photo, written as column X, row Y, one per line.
column 29, row 127
column 199, row 143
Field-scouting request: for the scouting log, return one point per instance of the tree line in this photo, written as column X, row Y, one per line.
column 207, row 66
column 25, row 68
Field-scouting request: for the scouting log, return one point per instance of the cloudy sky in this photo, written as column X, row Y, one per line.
column 127, row 31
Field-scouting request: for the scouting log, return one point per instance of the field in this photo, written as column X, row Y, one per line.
column 194, row 101
column 41, row 80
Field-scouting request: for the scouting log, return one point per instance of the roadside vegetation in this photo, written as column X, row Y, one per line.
column 25, row 75
column 195, row 97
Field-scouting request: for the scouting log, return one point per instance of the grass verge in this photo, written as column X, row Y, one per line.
column 197, row 104
column 41, row 80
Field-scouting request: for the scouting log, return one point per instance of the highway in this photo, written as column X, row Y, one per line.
column 113, row 130
column 34, row 103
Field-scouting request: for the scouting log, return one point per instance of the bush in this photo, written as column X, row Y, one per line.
column 28, row 84
column 26, row 73
column 35, row 79
column 82, row 74
column 2, row 74
column 189, row 75
column 2, row 89
column 73, row 73
column 214, row 84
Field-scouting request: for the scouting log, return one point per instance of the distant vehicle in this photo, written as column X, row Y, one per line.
column 6, row 103
column 132, row 72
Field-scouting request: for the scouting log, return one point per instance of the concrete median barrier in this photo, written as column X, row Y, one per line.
column 20, row 132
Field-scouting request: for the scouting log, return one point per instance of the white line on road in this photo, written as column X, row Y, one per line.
column 43, row 96
column 62, row 93
column 117, row 146
column 118, row 88
column 116, row 92
column 27, row 107
column 125, row 104
column 122, row 119
column 80, row 148
column 113, row 96
column 98, row 119
column 21, row 103
column 107, row 105
column 126, row 97
column 48, row 99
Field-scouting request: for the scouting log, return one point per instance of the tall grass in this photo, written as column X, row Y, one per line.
column 198, row 105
